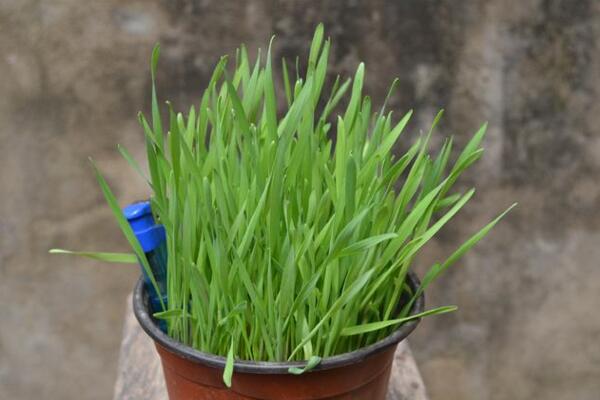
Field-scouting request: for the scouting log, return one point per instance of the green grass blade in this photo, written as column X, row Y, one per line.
column 228, row 371
column 270, row 101
column 365, row 244
column 473, row 240
column 240, row 114
column 286, row 82
column 375, row 326
column 310, row 364
column 125, row 258
column 352, row 109
column 437, row 269
column 315, row 46
column 126, row 229
column 156, row 120
column 250, row 229
column 132, row 162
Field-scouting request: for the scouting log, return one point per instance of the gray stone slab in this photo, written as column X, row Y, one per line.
column 140, row 374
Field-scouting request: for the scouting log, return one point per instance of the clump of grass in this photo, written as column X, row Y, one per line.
column 283, row 245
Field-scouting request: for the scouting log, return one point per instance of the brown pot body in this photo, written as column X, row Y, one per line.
column 366, row 380
column 362, row 374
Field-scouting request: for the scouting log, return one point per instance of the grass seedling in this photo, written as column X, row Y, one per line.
column 282, row 244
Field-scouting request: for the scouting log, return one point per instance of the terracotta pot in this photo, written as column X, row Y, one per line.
column 190, row 374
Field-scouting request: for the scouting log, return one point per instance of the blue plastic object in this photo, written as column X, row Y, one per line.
column 149, row 234
column 152, row 238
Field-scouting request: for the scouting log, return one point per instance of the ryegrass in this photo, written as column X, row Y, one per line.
column 283, row 245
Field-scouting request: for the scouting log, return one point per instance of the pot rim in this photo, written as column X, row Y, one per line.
column 149, row 325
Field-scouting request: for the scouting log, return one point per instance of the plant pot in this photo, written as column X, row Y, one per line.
column 191, row 374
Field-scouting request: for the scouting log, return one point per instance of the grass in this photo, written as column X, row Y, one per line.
column 283, row 245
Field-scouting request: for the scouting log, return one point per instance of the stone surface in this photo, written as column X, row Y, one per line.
column 73, row 75
column 140, row 375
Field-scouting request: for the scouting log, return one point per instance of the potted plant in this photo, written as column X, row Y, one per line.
column 290, row 236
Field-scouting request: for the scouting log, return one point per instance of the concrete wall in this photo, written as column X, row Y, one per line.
column 73, row 75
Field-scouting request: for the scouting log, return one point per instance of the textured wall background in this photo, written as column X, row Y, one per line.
column 73, row 75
